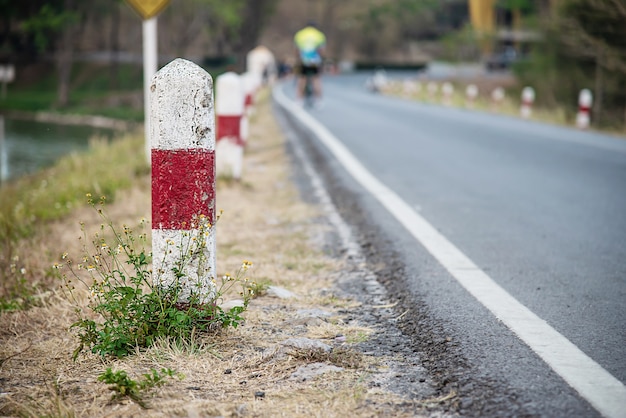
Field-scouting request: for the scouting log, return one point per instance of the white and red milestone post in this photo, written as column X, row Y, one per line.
column 229, row 111
column 585, row 100
column 182, row 137
column 528, row 98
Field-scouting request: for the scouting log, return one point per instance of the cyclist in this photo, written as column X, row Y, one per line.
column 310, row 43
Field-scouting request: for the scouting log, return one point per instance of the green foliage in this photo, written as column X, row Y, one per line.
column 91, row 93
column 29, row 202
column 46, row 22
column 124, row 386
column 582, row 47
column 521, row 5
column 130, row 310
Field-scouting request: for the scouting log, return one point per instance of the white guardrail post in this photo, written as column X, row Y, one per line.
column 182, row 137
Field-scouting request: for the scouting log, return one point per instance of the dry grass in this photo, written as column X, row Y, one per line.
column 509, row 106
column 240, row 372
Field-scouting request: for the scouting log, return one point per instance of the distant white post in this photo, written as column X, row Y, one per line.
column 447, row 90
column 528, row 98
column 585, row 99
column 497, row 96
column 471, row 93
column 251, row 84
column 182, row 135
column 229, row 111
column 261, row 61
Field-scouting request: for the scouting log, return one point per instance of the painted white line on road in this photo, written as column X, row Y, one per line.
column 601, row 389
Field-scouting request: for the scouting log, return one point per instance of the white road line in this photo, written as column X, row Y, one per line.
column 603, row 391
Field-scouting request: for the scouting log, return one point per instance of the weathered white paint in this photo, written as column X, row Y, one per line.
column 471, row 94
column 229, row 95
column 181, row 107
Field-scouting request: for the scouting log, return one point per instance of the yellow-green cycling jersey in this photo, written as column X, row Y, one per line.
column 308, row 41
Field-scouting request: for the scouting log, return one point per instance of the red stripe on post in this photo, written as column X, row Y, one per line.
column 228, row 126
column 182, row 187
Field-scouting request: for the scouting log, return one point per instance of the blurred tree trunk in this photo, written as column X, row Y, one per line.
column 114, row 39
column 65, row 54
column 598, row 88
column 255, row 16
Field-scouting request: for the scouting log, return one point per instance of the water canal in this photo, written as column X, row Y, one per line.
column 30, row 146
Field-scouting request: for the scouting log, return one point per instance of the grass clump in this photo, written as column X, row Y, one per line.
column 126, row 309
column 29, row 203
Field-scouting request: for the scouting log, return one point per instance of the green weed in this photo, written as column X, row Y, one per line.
column 127, row 310
column 124, row 386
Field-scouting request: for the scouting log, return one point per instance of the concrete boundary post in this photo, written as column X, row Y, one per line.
column 585, row 99
column 471, row 94
column 497, row 97
column 261, row 61
column 447, row 90
column 528, row 98
column 251, row 83
column 182, row 137
column 229, row 111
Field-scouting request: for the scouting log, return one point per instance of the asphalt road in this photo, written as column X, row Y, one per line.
column 534, row 210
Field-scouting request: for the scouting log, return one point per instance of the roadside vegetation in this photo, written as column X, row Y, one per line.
column 294, row 351
column 29, row 204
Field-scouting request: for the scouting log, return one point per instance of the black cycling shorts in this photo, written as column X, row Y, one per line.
column 309, row 70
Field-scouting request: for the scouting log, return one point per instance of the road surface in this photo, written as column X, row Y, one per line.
column 504, row 240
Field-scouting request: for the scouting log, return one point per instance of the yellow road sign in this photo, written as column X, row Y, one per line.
column 148, row 8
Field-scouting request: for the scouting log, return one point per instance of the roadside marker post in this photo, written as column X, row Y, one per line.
column 447, row 90
column 261, row 61
column 229, row 112
column 182, row 136
column 497, row 97
column 528, row 98
column 585, row 100
column 251, row 83
column 471, row 93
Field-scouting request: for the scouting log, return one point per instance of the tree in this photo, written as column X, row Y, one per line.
column 594, row 30
column 583, row 48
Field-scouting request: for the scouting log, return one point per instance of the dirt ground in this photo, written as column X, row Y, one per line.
column 320, row 295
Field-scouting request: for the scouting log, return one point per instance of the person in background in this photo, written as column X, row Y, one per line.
column 310, row 43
